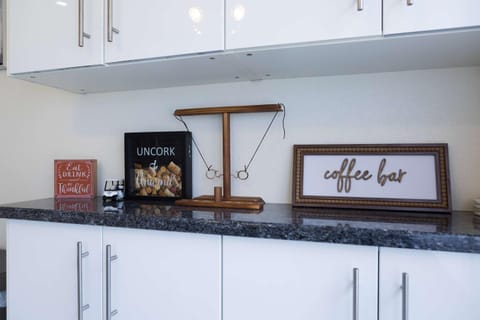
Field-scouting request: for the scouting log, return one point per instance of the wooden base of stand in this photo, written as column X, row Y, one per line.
column 249, row 203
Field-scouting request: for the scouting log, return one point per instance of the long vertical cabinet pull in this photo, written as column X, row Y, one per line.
column 109, row 259
column 356, row 294
column 81, row 23
column 80, row 306
column 110, row 28
column 359, row 5
column 404, row 296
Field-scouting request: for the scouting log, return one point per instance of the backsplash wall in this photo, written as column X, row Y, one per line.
column 40, row 124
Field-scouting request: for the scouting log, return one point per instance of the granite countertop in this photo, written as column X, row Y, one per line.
column 457, row 232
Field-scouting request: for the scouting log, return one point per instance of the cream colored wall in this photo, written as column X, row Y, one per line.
column 40, row 124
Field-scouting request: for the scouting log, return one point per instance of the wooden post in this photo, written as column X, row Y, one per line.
column 217, row 193
column 227, row 191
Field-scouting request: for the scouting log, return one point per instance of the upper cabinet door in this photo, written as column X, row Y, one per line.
column 45, row 35
column 402, row 16
column 152, row 28
column 253, row 23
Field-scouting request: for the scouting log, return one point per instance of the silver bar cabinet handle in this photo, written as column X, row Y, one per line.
column 80, row 306
column 109, row 259
column 405, row 296
column 81, row 23
column 356, row 295
column 359, row 5
column 409, row 2
column 110, row 28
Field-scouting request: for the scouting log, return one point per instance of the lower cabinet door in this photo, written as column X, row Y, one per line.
column 285, row 280
column 419, row 284
column 43, row 280
column 162, row 275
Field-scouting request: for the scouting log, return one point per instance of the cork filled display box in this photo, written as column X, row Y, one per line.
column 158, row 165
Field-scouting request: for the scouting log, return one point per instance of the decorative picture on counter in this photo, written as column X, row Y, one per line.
column 394, row 176
column 158, row 165
column 75, row 178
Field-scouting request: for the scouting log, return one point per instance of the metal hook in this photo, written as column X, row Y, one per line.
column 212, row 173
column 242, row 174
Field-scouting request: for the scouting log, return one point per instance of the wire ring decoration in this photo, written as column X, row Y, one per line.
column 242, row 174
column 212, row 174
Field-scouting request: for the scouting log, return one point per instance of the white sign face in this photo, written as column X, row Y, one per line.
column 371, row 176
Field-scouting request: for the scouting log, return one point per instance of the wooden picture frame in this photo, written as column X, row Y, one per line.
column 407, row 177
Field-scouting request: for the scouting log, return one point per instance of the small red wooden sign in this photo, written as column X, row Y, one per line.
column 75, row 178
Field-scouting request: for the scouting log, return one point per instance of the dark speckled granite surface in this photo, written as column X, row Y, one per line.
column 457, row 232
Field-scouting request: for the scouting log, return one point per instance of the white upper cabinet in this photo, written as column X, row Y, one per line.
column 147, row 44
column 44, row 35
column 48, row 35
column 253, row 23
column 438, row 285
column 402, row 16
column 152, row 28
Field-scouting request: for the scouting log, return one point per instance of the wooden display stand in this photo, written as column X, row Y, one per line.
column 226, row 200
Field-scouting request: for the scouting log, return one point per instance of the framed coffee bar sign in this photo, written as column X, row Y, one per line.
column 393, row 177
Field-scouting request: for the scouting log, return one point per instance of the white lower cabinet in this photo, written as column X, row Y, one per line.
column 419, row 284
column 156, row 275
column 42, row 271
column 284, row 280
column 164, row 275
column 72, row 272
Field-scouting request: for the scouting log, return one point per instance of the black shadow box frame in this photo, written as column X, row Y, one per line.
column 158, row 165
